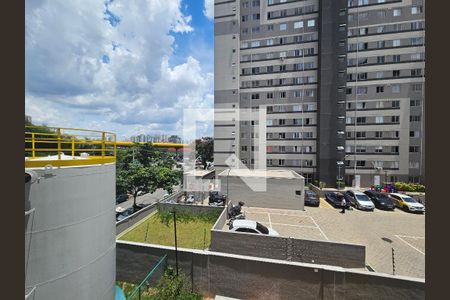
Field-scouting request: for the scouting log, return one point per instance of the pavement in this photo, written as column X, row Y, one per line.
column 146, row 198
column 380, row 231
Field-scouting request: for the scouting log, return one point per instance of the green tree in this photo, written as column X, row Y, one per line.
column 142, row 168
column 205, row 148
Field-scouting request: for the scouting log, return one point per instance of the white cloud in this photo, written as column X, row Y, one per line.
column 68, row 84
column 209, row 9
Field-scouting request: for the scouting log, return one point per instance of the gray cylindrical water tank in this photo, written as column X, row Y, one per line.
column 70, row 233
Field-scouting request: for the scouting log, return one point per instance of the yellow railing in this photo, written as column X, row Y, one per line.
column 68, row 147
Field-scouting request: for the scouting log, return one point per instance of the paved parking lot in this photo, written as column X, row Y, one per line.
column 405, row 232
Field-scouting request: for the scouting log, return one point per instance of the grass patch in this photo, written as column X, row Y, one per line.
column 193, row 231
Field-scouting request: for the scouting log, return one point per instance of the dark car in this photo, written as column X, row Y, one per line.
column 311, row 198
column 381, row 200
column 121, row 198
column 215, row 197
column 335, row 199
column 124, row 214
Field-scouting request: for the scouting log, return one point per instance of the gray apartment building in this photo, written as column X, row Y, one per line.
column 328, row 88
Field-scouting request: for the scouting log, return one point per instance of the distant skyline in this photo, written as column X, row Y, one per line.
column 124, row 66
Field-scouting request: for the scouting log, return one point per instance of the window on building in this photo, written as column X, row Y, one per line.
column 416, row 10
column 298, row 24
column 380, row 89
column 417, row 87
column 396, row 73
column 269, row 122
column 397, row 12
column 414, row 102
column 281, row 162
column 414, row 149
column 379, row 75
column 414, row 134
column 378, row 149
column 396, row 88
column 360, row 163
column 395, row 104
column 381, row 44
column 396, row 43
column 244, row 148
column 379, row 120
column 311, row 23
column 256, row 44
column 380, row 59
column 395, row 119
column 283, row 27
column 282, row 95
column 414, row 118
column 255, row 29
column 361, row 90
column 270, row 27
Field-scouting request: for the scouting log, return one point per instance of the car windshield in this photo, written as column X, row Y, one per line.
column 383, row 197
column 362, row 197
column 261, row 228
column 311, row 194
column 409, row 199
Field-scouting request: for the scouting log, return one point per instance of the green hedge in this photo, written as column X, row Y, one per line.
column 409, row 187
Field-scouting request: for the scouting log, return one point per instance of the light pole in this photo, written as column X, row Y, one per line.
column 175, row 232
column 392, row 251
column 340, row 164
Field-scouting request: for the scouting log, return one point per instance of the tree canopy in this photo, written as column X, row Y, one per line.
column 143, row 168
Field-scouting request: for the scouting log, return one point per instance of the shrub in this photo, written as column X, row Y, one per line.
column 184, row 215
column 171, row 286
column 409, row 187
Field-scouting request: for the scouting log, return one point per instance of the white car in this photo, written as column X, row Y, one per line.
column 190, row 199
column 250, row 226
column 407, row 203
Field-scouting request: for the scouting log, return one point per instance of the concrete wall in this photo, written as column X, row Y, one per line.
column 126, row 223
column 291, row 249
column 280, row 192
column 70, row 233
column 246, row 277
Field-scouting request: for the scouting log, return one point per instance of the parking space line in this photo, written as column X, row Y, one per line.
column 306, row 226
column 321, row 231
column 409, row 244
column 269, row 220
column 411, row 237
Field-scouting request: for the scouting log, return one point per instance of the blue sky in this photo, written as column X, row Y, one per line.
column 128, row 66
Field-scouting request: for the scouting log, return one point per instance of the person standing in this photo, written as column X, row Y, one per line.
column 343, row 204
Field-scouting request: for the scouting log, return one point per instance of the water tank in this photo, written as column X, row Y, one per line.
column 70, row 232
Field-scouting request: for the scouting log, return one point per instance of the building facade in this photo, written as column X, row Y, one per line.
column 331, row 88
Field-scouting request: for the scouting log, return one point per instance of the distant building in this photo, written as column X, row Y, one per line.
column 341, row 83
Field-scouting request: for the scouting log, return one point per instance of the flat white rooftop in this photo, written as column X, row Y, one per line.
column 283, row 173
column 198, row 172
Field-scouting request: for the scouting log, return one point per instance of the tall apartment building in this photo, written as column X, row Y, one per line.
column 333, row 88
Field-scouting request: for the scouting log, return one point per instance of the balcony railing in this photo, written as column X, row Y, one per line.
column 58, row 147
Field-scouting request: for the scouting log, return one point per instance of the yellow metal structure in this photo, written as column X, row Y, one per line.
column 46, row 146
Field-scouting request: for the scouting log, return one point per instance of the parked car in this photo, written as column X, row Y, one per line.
column 124, row 214
column 381, row 200
column 335, row 199
column 359, row 200
column 215, row 197
column 250, row 226
column 121, row 198
column 311, row 198
column 190, row 199
column 407, row 203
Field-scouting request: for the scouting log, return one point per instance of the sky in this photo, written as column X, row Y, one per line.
column 126, row 66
